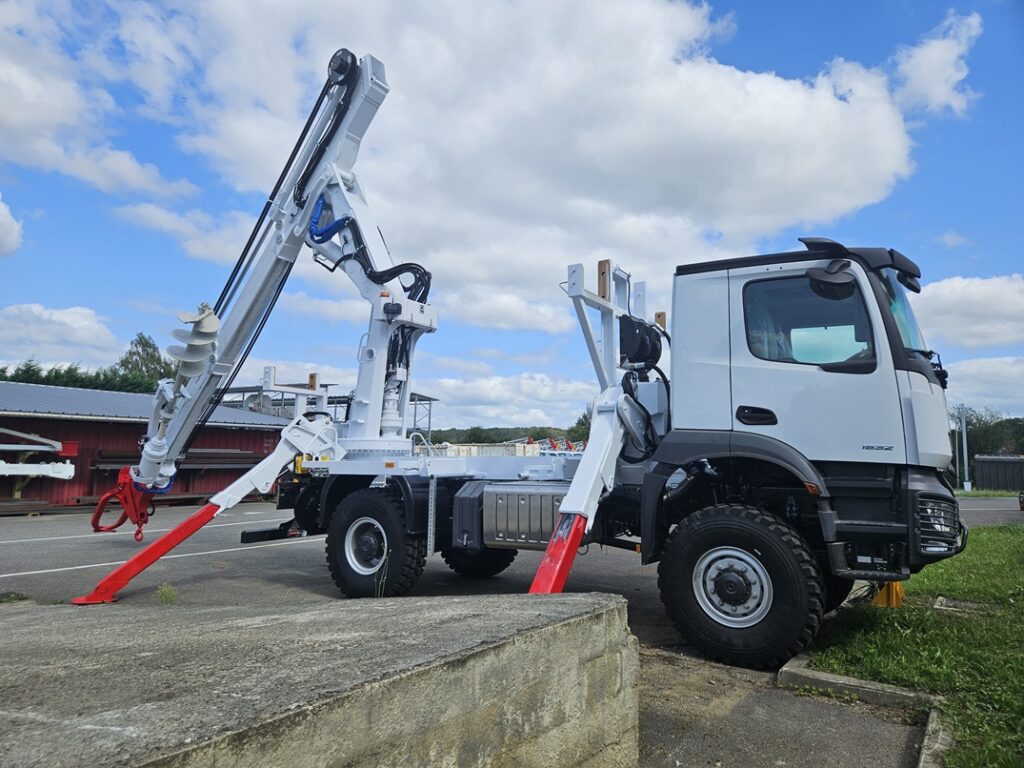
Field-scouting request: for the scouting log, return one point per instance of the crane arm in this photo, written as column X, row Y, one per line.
column 317, row 201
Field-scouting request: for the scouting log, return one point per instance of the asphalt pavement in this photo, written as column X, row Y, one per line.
column 686, row 711
column 52, row 558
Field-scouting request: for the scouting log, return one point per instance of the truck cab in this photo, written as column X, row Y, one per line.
column 801, row 388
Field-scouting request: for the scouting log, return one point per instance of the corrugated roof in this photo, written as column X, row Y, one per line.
column 44, row 401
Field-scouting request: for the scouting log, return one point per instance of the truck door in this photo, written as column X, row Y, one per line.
column 811, row 366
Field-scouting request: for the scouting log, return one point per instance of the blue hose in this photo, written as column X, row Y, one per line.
column 320, row 234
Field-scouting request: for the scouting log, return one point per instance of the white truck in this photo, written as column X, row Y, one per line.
column 798, row 443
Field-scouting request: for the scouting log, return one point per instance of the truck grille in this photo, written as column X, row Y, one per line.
column 938, row 526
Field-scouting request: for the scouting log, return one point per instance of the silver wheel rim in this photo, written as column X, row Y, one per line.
column 732, row 587
column 366, row 546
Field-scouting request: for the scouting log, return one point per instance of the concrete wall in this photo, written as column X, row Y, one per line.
column 558, row 695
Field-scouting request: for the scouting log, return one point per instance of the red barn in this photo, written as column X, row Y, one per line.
column 107, row 427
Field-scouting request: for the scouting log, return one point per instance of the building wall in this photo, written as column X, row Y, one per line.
column 95, row 436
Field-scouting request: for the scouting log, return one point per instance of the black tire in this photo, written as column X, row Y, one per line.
column 381, row 559
column 780, row 585
column 836, row 591
column 307, row 508
column 478, row 565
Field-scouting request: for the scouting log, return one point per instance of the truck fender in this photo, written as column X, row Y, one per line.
column 337, row 487
column 682, row 447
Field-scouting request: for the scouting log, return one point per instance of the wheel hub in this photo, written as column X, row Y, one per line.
column 732, row 587
column 366, row 546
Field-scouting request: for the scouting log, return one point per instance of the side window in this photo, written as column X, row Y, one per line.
column 786, row 321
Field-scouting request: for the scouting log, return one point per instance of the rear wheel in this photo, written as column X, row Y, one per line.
column 741, row 585
column 478, row 565
column 307, row 508
column 369, row 552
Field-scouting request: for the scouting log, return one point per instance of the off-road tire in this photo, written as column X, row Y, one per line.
column 307, row 509
column 478, row 565
column 797, row 605
column 405, row 553
column 836, row 591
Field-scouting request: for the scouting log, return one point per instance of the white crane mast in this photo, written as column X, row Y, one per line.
column 318, row 182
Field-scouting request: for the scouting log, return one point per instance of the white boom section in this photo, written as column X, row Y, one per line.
column 315, row 438
column 36, row 444
column 323, row 168
column 56, row 470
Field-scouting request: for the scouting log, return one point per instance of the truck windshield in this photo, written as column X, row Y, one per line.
column 899, row 305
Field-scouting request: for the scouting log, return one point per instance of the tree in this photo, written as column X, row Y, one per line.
column 143, row 359
column 581, row 429
column 138, row 370
column 989, row 432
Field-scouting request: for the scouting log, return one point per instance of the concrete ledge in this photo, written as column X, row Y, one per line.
column 464, row 681
column 935, row 743
column 796, row 674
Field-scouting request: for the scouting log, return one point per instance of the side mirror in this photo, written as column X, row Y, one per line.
column 909, row 282
column 833, row 282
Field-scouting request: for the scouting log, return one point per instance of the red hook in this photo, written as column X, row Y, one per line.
column 135, row 505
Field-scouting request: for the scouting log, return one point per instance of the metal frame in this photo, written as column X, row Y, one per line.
column 57, row 470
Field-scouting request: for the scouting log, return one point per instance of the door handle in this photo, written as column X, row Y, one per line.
column 754, row 416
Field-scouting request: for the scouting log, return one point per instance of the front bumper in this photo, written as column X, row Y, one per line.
column 922, row 526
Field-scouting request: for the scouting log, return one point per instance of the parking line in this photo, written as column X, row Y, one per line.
column 99, row 535
column 302, row 540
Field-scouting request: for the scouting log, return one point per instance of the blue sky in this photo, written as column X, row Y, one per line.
column 136, row 141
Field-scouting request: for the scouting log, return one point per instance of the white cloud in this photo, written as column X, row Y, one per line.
column 504, row 308
column 199, row 234
column 953, row 239
column 496, row 171
column 10, row 230
column 56, row 116
column 973, row 311
column 457, row 364
column 932, row 73
column 344, row 310
column 56, row 336
column 493, row 171
column 524, row 399
column 992, row 382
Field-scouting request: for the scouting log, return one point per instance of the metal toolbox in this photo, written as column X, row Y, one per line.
column 521, row 515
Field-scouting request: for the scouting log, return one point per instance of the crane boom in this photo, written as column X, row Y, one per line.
column 317, row 201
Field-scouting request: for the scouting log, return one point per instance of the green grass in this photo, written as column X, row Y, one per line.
column 166, row 594
column 976, row 661
column 976, row 494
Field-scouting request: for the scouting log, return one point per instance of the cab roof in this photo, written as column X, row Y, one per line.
column 817, row 247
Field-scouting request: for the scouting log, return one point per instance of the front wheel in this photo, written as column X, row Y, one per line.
column 741, row 585
column 369, row 551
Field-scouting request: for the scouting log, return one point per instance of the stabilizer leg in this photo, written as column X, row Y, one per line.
column 559, row 556
column 301, row 436
column 594, row 476
column 106, row 591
